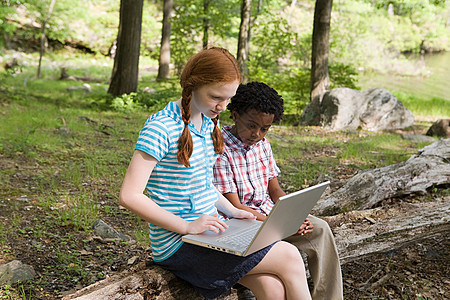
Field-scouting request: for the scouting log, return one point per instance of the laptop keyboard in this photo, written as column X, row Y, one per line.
column 240, row 238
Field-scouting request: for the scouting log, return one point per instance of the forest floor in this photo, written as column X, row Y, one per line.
column 418, row 268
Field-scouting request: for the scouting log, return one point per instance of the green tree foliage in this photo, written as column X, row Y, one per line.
column 425, row 21
column 33, row 12
column 187, row 27
column 365, row 34
column 280, row 56
column 7, row 9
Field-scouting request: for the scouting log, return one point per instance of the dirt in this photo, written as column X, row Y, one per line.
column 67, row 258
column 408, row 263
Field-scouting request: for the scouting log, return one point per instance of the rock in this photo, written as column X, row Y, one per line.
column 15, row 271
column 348, row 109
column 64, row 131
column 107, row 232
column 440, row 128
column 384, row 111
column 149, row 90
column 429, row 167
column 418, row 138
column 12, row 64
column 85, row 87
column 341, row 108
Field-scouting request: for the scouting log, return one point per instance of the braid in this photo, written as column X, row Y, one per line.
column 214, row 65
column 185, row 145
column 217, row 137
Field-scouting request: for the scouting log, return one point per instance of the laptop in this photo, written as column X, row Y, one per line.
column 244, row 236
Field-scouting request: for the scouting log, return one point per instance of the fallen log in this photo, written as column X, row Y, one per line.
column 355, row 236
column 144, row 281
column 65, row 76
column 429, row 167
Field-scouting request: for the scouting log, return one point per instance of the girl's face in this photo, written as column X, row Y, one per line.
column 252, row 126
column 212, row 99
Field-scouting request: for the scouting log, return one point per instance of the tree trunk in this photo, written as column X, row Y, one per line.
column 125, row 72
column 320, row 81
column 244, row 39
column 41, row 53
column 206, row 23
column 164, row 56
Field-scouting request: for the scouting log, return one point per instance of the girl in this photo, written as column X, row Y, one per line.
column 173, row 161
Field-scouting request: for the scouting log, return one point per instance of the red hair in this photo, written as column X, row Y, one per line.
column 213, row 65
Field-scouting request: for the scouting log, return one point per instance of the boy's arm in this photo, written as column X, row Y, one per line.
column 234, row 199
column 274, row 189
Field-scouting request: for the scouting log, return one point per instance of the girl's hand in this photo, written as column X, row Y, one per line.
column 206, row 222
column 243, row 214
column 305, row 228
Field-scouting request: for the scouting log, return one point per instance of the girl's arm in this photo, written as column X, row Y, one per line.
column 234, row 199
column 228, row 209
column 133, row 198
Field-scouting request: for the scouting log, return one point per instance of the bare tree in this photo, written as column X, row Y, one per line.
column 206, row 20
column 245, row 34
column 244, row 38
column 164, row 55
column 320, row 80
column 44, row 24
column 125, row 72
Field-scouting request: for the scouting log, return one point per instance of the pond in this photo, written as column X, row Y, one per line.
column 434, row 82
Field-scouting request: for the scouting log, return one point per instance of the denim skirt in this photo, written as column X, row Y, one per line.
column 211, row 272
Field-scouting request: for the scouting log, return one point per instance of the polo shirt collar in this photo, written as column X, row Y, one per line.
column 173, row 111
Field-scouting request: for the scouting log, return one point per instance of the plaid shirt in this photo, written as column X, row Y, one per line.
column 246, row 171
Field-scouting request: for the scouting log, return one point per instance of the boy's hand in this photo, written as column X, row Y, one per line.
column 305, row 228
column 206, row 222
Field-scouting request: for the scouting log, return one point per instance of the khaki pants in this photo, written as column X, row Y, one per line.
column 323, row 260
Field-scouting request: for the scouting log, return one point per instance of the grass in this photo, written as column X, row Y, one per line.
column 66, row 153
column 425, row 108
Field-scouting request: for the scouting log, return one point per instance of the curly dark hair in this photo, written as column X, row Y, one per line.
column 259, row 96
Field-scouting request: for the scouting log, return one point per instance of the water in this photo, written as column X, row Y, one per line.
column 434, row 81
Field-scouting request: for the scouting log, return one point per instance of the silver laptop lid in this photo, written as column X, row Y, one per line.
column 286, row 217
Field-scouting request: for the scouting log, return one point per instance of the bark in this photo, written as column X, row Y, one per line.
column 164, row 56
column 320, row 81
column 206, row 23
column 359, row 233
column 144, row 281
column 244, row 39
column 428, row 168
column 42, row 49
column 125, row 72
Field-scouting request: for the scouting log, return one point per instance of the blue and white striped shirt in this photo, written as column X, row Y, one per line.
column 186, row 192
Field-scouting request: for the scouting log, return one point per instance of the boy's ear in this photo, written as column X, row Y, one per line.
column 234, row 115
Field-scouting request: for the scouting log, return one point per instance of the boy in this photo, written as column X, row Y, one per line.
column 246, row 174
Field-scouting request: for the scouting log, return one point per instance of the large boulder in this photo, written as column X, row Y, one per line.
column 348, row 109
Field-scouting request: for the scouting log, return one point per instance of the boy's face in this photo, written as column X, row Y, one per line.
column 251, row 126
